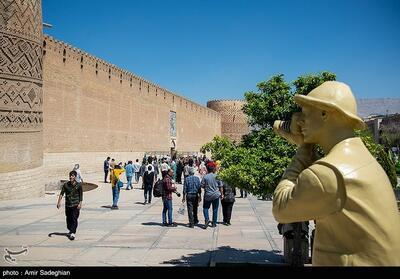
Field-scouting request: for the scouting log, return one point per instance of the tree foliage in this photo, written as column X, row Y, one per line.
column 380, row 155
column 219, row 147
column 258, row 163
column 273, row 101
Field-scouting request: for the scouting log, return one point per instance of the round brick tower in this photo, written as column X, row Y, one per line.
column 21, row 114
column 233, row 121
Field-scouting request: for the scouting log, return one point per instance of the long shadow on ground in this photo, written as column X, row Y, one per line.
column 228, row 256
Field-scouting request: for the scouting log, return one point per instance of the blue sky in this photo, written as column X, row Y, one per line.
column 210, row 49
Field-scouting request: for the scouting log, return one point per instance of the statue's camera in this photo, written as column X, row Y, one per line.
column 282, row 125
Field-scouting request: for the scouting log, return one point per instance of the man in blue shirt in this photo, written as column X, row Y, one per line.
column 192, row 193
column 129, row 174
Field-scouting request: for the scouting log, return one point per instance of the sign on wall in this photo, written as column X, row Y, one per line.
column 172, row 123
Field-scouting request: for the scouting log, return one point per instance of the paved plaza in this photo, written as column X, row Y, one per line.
column 133, row 235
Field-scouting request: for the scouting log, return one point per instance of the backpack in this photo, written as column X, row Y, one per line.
column 158, row 189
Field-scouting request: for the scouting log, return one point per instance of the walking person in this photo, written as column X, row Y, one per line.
column 78, row 174
column 164, row 168
column 202, row 169
column 136, row 168
column 212, row 194
column 112, row 166
column 243, row 193
column 142, row 170
column 129, row 171
column 192, row 195
column 148, row 180
column 115, row 184
column 155, row 168
column 106, row 167
column 185, row 170
column 173, row 167
column 169, row 188
column 227, row 202
column 179, row 170
column 73, row 203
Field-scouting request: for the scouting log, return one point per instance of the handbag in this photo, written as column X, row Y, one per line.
column 120, row 184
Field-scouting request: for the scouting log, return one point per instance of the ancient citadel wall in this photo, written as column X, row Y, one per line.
column 233, row 120
column 93, row 109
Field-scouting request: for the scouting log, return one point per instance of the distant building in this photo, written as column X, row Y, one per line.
column 376, row 122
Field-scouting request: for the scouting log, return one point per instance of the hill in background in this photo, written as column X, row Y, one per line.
column 380, row 106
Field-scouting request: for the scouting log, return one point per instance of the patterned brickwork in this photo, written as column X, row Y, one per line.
column 21, row 96
column 20, row 106
column 21, row 99
column 20, row 58
column 22, row 18
column 233, row 120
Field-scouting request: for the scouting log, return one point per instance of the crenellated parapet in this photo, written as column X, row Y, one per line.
column 78, row 59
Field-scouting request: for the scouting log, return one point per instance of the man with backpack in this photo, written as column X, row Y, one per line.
column 158, row 189
column 168, row 189
column 148, row 179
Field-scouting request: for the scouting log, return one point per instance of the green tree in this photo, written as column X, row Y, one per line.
column 378, row 151
column 272, row 101
column 219, row 147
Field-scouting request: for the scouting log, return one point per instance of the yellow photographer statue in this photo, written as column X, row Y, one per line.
column 347, row 192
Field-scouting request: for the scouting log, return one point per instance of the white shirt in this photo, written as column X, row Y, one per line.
column 164, row 167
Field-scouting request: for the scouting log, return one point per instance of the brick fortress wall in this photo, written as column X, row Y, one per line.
column 233, row 121
column 93, row 109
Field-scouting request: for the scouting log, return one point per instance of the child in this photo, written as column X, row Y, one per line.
column 73, row 202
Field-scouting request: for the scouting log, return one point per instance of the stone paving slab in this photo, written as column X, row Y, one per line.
column 98, row 253
column 133, row 235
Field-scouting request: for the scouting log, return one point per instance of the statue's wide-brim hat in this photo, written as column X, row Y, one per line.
column 333, row 96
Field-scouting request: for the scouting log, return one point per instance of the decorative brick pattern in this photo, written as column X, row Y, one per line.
column 20, row 58
column 21, row 99
column 22, row 18
column 20, row 66
column 233, row 121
